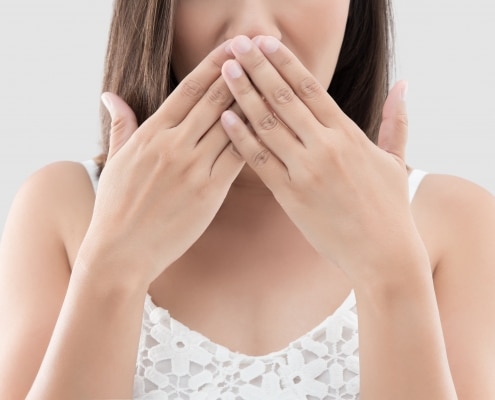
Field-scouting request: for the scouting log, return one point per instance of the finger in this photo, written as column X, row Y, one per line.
column 227, row 166
column 206, row 112
column 268, row 167
column 215, row 140
column 305, row 85
column 275, row 135
column 192, row 88
column 275, row 89
column 124, row 122
column 393, row 132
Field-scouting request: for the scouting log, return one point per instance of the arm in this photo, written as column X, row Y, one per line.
column 89, row 320
column 413, row 332
column 33, row 284
column 465, row 281
column 350, row 200
column 93, row 349
column 401, row 345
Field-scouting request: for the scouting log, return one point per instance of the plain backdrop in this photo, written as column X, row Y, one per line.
column 51, row 62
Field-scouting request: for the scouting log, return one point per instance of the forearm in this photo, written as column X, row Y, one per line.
column 93, row 349
column 402, row 350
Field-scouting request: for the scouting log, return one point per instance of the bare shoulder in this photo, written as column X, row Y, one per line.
column 458, row 216
column 58, row 198
column 455, row 198
column 48, row 216
column 457, row 209
column 51, row 186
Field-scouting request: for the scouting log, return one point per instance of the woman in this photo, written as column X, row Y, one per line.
column 240, row 204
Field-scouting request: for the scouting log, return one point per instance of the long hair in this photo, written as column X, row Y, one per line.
column 138, row 61
column 361, row 80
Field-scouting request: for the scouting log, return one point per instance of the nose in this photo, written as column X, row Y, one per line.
column 253, row 18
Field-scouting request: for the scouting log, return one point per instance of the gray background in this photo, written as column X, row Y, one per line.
column 51, row 63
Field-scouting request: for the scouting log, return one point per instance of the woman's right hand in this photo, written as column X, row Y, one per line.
column 163, row 182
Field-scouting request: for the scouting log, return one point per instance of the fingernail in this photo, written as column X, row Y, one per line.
column 233, row 69
column 242, row 44
column 257, row 40
column 105, row 99
column 229, row 118
column 270, row 44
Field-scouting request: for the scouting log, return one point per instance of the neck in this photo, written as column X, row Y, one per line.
column 252, row 235
column 250, row 205
column 252, row 223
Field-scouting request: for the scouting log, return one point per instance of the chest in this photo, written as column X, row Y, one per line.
column 251, row 309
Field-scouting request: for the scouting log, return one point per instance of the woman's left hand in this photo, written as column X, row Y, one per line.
column 348, row 196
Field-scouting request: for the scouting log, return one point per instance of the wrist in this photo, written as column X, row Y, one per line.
column 410, row 283
column 392, row 263
column 110, row 270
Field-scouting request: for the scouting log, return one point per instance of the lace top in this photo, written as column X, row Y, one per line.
column 175, row 362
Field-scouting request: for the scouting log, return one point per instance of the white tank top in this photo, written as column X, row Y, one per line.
column 175, row 362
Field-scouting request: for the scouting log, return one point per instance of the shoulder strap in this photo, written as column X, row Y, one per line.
column 415, row 178
column 92, row 170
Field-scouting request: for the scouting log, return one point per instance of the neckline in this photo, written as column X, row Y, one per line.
column 347, row 304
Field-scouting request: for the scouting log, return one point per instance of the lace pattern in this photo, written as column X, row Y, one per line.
column 175, row 362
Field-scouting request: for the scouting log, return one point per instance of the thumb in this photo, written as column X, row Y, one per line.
column 392, row 136
column 124, row 122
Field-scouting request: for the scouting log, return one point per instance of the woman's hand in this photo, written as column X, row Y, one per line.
column 164, row 181
column 348, row 196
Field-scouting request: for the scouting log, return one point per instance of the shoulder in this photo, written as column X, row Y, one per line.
column 455, row 218
column 458, row 207
column 54, row 186
column 56, row 200
column 58, row 176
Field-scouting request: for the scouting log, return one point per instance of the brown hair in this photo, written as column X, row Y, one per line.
column 137, row 66
column 361, row 79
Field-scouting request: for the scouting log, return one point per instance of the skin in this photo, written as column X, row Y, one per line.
column 253, row 256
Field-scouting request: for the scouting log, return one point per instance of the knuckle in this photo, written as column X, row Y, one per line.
column 118, row 124
column 246, row 90
column 283, row 95
column 402, row 121
column 287, row 61
column 313, row 178
column 259, row 62
column 203, row 191
column 197, row 181
column 164, row 159
column 330, row 150
column 310, row 88
column 307, row 179
column 268, row 122
column 147, row 132
column 327, row 144
column 216, row 64
column 218, row 96
column 144, row 139
column 261, row 157
column 192, row 89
